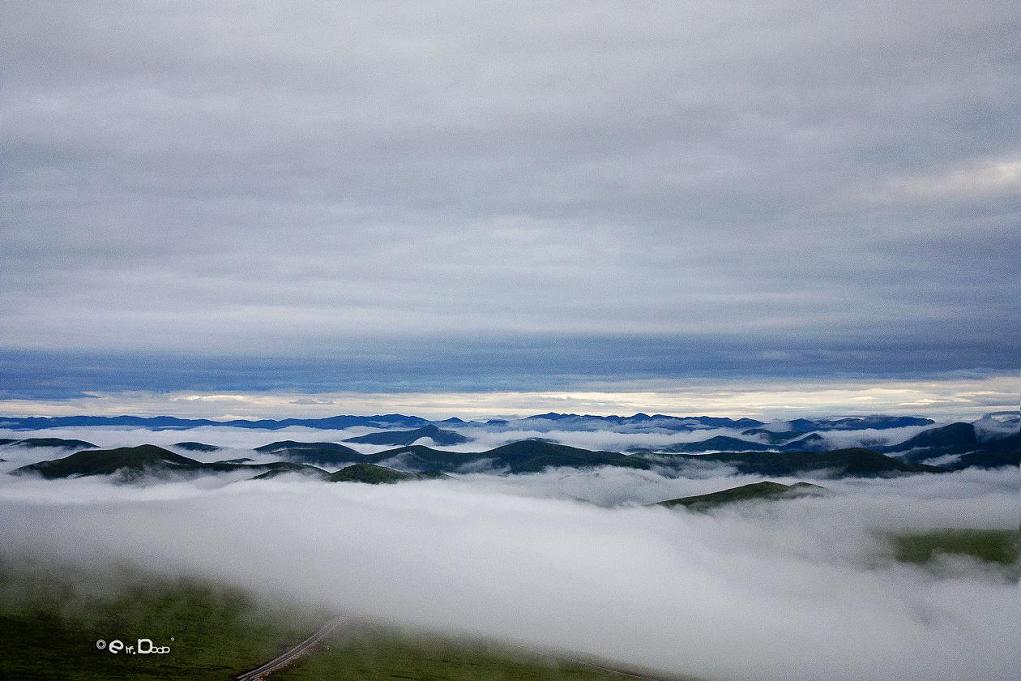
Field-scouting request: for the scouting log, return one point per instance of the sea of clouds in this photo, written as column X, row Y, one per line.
column 573, row 560
column 481, row 436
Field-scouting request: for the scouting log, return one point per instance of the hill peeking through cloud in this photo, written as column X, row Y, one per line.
column 437, row 435
column 526, row 456
column 756, row 491
column 400, row 521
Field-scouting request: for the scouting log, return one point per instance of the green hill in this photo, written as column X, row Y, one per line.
column 949, row 439
column 720, row 443
column 757, row 491
column 279, row 468
column 723, row 443
column 130, row 462
column 993, row 454
column 371, row 474
column 49, row 625
column 532, row 456
column 994, row 546
column 525, row 456
column 855, row 462
column 424, row 459
column 322, row 453
column 959, row 439
column 955, row 438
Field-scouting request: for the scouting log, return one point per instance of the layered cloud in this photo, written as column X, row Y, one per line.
column 58, row 392
column 824, row 185
column 800, row 590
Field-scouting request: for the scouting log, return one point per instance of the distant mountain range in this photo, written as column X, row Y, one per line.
column 525, row 456
column 133, row 463
column 723, row 443
column 853, row 462
column 51, row 442
column 174, row 423
column 961, row 442
column 991, row 441
column 639, row 422
column 957, row 445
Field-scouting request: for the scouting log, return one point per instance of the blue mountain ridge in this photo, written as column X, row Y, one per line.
column 573, row 421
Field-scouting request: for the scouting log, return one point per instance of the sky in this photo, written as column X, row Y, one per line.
column 450, row 198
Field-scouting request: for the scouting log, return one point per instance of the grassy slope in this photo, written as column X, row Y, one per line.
column 49, row 627
column 369, row 473
column 382, row 656
column 532, row 456
column 129, row 460
column 757, row 491
column 49, row 624
column 994, row 546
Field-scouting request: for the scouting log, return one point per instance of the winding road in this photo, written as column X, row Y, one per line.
column 292, row 654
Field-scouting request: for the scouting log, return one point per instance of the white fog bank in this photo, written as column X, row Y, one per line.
column 795, row 590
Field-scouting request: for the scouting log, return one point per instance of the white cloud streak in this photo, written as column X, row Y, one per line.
column 948, row 398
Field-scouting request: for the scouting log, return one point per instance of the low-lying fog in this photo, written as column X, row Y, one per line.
column 800, row 589
column 482, row 437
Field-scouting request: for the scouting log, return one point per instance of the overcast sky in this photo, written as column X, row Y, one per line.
column 509, row 197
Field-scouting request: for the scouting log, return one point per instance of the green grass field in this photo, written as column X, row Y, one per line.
column 50, row 621
column 372, row 655
column 51, row 617
column 992, row 546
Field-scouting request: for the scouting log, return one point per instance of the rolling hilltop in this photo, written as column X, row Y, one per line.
column 323, row 453
column 133, row 463
column 526, row 456
column 853, row 462
column 991, row 441
column 959, row 445
column 130, row 463
column 757, row 491
column 960, row 440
